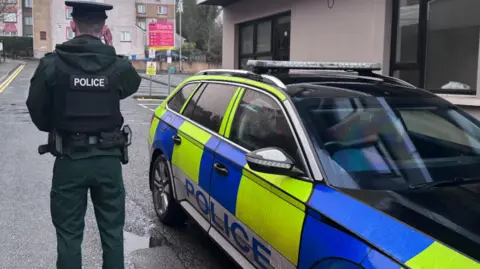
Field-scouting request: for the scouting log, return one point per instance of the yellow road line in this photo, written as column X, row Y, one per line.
column 7, row 81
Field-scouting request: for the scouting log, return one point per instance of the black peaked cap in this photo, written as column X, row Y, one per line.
column 89, row 9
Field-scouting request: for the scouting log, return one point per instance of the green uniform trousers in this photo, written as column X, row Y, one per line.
column 72, row 179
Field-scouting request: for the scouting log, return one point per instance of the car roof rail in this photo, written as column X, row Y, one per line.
column 362, row 68
column 390, row 79
column 244, row 74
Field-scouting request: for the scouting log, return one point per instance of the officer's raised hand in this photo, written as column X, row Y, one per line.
column 107, row 36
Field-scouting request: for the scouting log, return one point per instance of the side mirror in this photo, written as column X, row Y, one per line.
column 272, row 161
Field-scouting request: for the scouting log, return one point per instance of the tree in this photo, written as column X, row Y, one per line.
column 189, row 48
column 216, row 43
column 199, row 24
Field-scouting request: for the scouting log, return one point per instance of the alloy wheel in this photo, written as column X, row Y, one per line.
column 161, row 188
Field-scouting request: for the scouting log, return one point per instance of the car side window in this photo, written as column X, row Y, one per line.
column 188, row 111
column 179, row 99
column 259, row 122
column 212, row 103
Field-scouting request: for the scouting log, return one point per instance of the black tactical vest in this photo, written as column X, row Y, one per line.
column 85, row 103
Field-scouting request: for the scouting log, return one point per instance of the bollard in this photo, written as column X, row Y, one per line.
column 169, row 82
column 150, row 94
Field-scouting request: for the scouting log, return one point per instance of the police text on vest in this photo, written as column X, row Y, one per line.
column 88, row 82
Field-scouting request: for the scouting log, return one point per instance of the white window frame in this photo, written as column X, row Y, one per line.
column 12, row 15
column 160, row 10
column 10, row 1
column 28, row 3
column 28, row 20
column 125, row 36
column 141, row 9
column 68, row 13
column 142, row 23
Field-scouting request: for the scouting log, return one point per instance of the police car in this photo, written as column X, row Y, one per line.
column 319, row 165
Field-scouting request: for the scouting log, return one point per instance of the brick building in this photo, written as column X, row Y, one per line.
column 128, row 22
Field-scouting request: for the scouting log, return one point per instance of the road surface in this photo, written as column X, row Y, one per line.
column 26, row 232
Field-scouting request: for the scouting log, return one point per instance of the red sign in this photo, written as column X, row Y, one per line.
column 161, row 35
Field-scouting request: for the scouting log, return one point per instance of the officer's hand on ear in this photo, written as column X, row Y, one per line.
column 107, row 36
column 73, row 26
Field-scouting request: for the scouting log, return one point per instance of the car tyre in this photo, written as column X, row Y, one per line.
column 168, row 211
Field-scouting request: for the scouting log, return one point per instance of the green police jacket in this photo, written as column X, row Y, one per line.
column 87, row 53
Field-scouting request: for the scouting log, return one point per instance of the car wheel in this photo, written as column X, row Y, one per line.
column 168, row 210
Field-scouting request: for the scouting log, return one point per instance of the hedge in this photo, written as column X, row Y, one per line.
column 17, row 45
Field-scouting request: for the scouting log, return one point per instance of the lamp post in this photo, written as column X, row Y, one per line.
column 180, row 10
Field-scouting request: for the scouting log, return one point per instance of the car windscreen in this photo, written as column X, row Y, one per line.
column 383, row 143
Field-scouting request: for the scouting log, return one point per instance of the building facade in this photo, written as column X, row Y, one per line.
column 148, row 11
column 154, row 10
column 12, row 19
column 433, row 44
column 27, row 17
column 127, row 21
column 42, row 26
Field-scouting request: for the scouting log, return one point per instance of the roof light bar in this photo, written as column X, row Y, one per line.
column 263, row 64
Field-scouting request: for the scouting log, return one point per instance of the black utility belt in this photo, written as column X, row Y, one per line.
column 103, row 140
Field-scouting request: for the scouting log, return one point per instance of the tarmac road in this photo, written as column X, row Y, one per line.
column 27, row 235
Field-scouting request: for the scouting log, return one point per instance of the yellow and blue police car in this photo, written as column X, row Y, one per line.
column 319, row 165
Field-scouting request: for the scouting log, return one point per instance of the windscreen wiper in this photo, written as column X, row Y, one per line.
column 457, row 181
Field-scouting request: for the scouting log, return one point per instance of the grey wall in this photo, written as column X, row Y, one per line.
column 352, row 30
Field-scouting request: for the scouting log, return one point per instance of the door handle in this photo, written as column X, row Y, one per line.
column 176, row 139
column 221, row 169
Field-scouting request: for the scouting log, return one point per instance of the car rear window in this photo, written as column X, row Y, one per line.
column 179, row 99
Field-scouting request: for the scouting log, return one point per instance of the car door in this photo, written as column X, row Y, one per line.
column 195, row 143
column 168, row 122
column 260, row 214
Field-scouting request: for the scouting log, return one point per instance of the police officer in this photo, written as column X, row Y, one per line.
column 75, row 94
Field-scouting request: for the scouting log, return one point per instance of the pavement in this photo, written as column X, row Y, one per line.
column 27, row 234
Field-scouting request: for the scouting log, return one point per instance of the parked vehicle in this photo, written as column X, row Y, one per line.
column 162, row 56
column 344, row 169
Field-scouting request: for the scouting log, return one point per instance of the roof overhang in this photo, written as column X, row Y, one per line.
column 222, row 3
